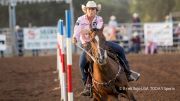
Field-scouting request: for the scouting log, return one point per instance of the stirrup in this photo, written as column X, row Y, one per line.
column 134, row 76
column 86, row 91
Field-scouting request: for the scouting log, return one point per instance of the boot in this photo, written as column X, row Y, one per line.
column 135, row 75
column 87, row 90
column 131, row 75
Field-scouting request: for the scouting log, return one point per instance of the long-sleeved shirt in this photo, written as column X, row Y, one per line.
column 83, row 26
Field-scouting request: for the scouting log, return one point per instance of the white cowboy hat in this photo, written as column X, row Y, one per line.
column 135, row 34
column 112, row 17
column 91, row 4
column 135, row 15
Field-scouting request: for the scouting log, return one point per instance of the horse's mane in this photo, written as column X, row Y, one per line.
column 93, row 34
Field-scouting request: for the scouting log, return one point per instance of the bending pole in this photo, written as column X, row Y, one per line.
column 60, row 60
column 69, row 54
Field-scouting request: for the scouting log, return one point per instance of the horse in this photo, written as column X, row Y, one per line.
column 108, row 77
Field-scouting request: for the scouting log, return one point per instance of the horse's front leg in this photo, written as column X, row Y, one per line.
column 112, row 98
column 123, row 85
column 129, row 94
column 124, row 92
column 96, row 96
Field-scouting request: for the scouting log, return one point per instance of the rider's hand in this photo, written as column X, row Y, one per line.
column 74, row 40
column 94, row 29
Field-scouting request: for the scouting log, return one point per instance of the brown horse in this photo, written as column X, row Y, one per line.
column 108, row 77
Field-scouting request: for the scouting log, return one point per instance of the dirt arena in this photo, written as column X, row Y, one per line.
column 33, row 78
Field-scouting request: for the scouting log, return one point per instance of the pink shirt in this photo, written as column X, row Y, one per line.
column 83, row 26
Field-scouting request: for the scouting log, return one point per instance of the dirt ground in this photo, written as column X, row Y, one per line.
column 33, row 78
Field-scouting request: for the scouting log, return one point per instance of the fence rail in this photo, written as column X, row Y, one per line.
column 126, row 30
column 125, row 34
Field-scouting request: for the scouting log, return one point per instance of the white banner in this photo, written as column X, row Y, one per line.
column 2, row 42
column 40, row 38
column 160, row 33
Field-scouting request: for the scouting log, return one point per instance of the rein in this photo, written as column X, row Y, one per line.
column 86, row 52
column 110, row 81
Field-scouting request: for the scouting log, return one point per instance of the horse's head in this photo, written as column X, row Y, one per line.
column 98, row 46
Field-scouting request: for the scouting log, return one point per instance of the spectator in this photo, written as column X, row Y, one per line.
column 177, row 33
column 113, row 22
column 168, row 18
column 151, row 46
column 135, row 43
column 2, row 53
column 19, row 41
column 136, row 21
column 35, row 52
column 112, row 28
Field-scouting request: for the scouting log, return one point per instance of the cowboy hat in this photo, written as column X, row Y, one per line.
column 135, row 15
column 112, row 17
column 91, row 4
column 135, row 34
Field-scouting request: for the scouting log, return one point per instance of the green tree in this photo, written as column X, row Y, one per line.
column 47, row 14
column 38, row 14
column 154, row 10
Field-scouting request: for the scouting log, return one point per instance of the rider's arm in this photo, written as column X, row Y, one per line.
column 77, row 29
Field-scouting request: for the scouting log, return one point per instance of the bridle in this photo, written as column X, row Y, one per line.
column 87, row 52
column 98, row 52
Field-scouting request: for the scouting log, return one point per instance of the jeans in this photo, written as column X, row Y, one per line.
column 83, row 64
column 135, row 48
column 121, row 55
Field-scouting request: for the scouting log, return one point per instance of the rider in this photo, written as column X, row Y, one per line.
column 90, row 20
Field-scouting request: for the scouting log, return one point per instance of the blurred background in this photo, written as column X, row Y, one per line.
column 148, row 30
column 17, row 17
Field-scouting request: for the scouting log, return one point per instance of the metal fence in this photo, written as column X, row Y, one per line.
column 127, row 30
column 19, row 49
column 124, row 34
